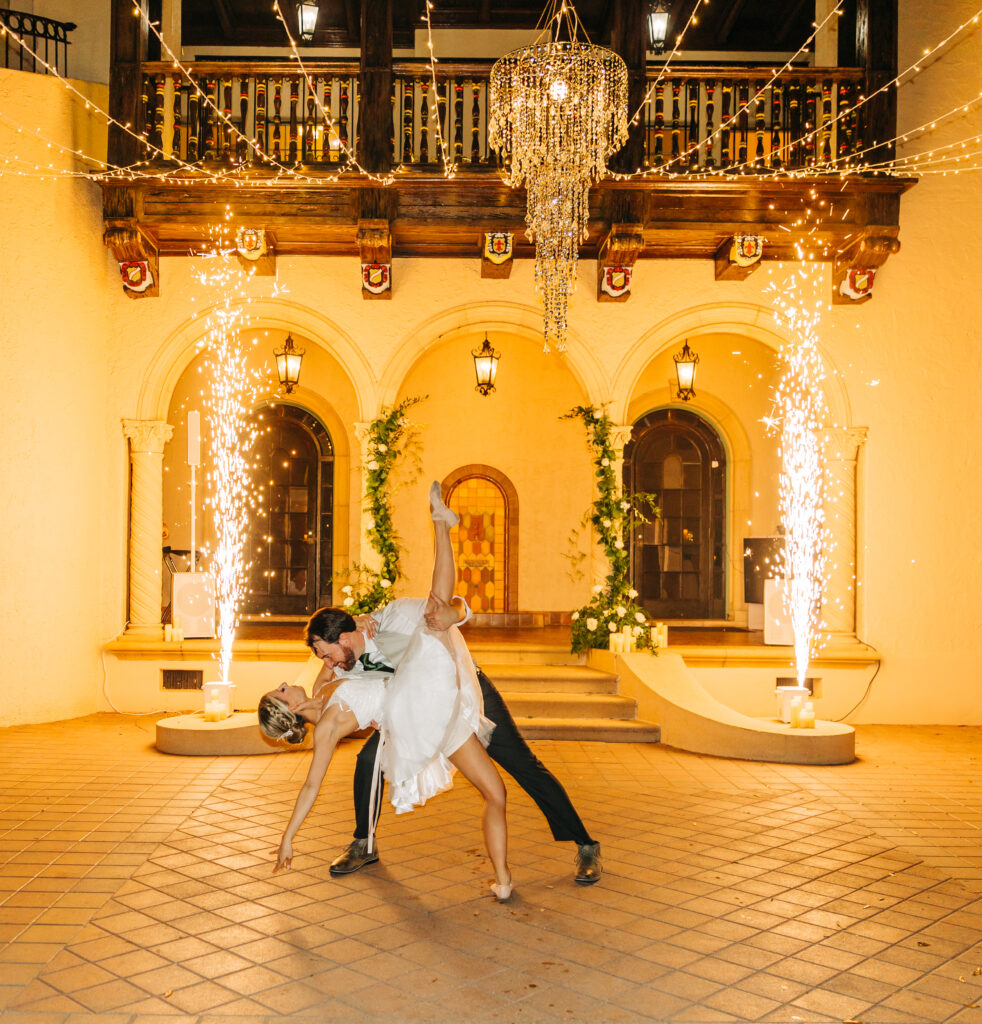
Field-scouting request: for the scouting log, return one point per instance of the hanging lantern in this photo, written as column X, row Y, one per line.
column 658, row 15
column 307, row 11
column 485, row 366
column 685, row 371
column 288, row 360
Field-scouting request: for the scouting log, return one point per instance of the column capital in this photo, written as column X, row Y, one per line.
column 147, row 436
column 620, row 434
column 842, row 444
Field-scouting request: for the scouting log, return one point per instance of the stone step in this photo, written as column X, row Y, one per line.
column 488, row 652
column 551, row 678
column 559, row 704
column 601, row 730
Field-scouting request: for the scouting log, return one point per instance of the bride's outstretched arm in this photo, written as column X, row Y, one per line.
column 333, row 725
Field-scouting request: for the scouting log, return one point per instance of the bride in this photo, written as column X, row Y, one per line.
column 429, row 709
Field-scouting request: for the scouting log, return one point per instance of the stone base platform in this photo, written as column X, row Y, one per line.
column 238, row 734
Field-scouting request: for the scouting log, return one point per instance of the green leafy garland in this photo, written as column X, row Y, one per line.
column 370, row 589
column 612, row 606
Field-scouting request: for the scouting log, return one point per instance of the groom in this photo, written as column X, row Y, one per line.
column 349, row 647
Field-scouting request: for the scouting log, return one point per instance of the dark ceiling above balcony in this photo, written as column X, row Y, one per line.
column 724, row 26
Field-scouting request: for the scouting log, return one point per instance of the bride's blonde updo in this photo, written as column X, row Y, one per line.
column 278, row 722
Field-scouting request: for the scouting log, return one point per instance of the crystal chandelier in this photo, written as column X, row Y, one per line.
column 557, row 111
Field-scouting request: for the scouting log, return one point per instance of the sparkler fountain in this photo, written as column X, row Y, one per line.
column 232, row 390
column 800, row 416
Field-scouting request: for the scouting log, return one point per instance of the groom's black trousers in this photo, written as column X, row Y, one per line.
column 511, row 752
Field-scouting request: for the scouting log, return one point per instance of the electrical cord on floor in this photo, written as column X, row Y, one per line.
column 869, row 686
column 105, row 682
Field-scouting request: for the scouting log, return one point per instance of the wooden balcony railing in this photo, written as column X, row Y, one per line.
column 695, row 119
column 45, row 36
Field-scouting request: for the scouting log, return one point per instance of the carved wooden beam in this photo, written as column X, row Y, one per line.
column 136, row 255
column 615, row 261
column 854, row 268
column 497, row 249
column 375, row 251
column 738, row 257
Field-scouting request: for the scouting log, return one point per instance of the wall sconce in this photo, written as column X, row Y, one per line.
column 307, row 11
column 658, row 15
column 288, row 360
column 685, row 372
column 485, row 366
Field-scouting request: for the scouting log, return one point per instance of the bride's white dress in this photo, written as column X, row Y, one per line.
column 426, row 709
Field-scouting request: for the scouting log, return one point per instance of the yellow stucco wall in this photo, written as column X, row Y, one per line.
column 78, row 356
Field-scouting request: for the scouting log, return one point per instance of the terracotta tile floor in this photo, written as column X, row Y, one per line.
column 136, row 887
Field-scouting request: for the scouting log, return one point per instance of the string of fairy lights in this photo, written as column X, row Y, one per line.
column 189, row 173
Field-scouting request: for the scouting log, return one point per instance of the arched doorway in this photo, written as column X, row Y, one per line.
column 290, row 543
column 677, row 563
column 487, row 542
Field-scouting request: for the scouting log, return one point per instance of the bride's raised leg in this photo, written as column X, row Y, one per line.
column 472, row 761
column 444, row 567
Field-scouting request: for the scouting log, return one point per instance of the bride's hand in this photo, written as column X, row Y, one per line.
column 284, row 856
column 438, row 615
column 366, row 624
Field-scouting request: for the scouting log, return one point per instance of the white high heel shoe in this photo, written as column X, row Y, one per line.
column 439, row 512
column 502, row 891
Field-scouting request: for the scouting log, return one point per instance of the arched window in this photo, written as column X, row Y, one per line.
column 487, row 542
column 677, row 563
column 290, row 545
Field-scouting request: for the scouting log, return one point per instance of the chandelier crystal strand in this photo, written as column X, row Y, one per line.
column 557, row 111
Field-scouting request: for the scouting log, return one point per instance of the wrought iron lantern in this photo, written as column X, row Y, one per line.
column 307, row 11
column 485, row 366
column 658, row 15
column 685, row 372
column 288, row 360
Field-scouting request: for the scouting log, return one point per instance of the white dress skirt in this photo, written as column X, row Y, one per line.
column 427, row 709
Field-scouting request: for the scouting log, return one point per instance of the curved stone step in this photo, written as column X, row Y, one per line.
column 559, row 704
column 488, row 652
column 602, row 730
column 536, row 678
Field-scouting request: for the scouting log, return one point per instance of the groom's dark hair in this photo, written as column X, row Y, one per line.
column 327, row 624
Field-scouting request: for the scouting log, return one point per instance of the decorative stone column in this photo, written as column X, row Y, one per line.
column 147, row 439
column 842, row 447
column 367, row 556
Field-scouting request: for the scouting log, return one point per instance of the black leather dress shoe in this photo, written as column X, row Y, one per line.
column 355, row 857
column 588, row 865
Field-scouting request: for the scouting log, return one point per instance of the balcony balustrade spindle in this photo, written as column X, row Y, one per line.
column 676, row 120
column 175, row 141
column 260, row 128
column 710, row 110
column 826, row 133
column 294, row 134
column 810, row 124
column 743, row 99
column 343, row 114
column 776, row 111
column 692, row 124
column 760, row 125
column 424, row 121
column 458, row 122
column 408, row 119
column 725, row 136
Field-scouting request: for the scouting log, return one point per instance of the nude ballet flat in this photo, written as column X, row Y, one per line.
column 502, row 891
column 439, row 512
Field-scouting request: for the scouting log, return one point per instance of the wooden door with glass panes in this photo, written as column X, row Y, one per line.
column 283, row 528
column 677, row 562
column 482, row 537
